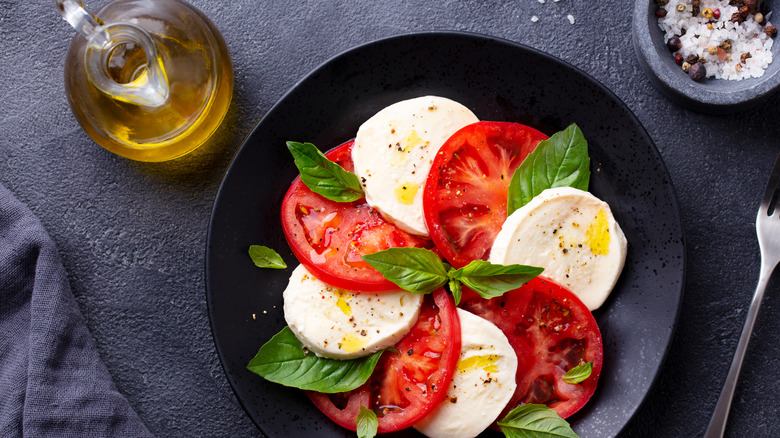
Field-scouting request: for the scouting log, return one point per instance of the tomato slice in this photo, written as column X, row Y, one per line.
column 406, row 385
column 464, row 200
column 330, row 237
column 552, row 331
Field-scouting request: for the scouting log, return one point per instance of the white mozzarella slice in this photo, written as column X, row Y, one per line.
column 482, row 385
column 342, row 324
column 572, row 235
column 393, row 152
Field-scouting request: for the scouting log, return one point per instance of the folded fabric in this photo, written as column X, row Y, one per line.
column 52, row 381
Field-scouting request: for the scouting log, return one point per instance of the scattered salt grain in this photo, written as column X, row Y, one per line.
column 534, row 18
column 570, row 18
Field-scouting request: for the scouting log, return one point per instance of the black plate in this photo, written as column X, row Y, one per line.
column 497, row 80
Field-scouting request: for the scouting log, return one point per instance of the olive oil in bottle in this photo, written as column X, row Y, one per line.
column 150, row 81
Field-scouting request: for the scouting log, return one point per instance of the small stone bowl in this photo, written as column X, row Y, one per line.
column 711, row 96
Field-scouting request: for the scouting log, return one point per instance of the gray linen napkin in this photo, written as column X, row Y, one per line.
column 52, row 381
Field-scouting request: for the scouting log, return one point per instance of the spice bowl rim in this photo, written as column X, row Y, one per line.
column 712, row 96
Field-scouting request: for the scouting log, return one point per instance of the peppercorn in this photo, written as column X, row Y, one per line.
column 686, row 67
column 737, row 18
column 662, row 2
column 692, row 59
column 744, row 57
column 660, row 13
column 750, row 5
column 680, row 7
column 674, row 44
column 716, row 14
column 744, row 11
column 738, row 67
column 771, row 31
column 678, row 58
column 706, row 13
column 697, row 72
column 726, row 45
column 709, row 26
column 759, row 18
column 695, row 7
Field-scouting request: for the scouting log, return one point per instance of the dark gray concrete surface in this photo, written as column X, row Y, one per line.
column 132, row 235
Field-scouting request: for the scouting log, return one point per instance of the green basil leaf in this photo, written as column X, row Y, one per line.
column 416, row 270
column 456, row 290
column 535, row 421
column 265, row 257
column 560, row 161
column 490, row 281
column 367, row 423
column 578, row 373
column 323, row 176
column 284, row 360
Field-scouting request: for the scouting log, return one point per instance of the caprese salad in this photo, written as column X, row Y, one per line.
column 418, row 301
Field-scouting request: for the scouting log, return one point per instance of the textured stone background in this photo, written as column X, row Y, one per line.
column 133, row 236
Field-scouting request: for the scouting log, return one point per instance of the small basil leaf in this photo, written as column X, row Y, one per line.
column 578, row 373
column 490, row 281
column 323, row 176
column 560, row 161
column 456, row 290
column 416, row 270
column 535, row 421
column 265, row 257
column 367, row 423
column 284, row 360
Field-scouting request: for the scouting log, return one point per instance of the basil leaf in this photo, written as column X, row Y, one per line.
column 490, row 281
column 265, row 257
column 456, row 290
column 578, row 373
column 535, row 421
column 560, row 161
column 367, row 423
column 284, row 360
column 323, row 176
column 416, row 270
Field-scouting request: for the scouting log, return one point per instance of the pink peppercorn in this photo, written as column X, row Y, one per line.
column 716, row 14
column 678, row 58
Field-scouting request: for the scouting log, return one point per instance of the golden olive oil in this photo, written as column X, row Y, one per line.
column 195, row 63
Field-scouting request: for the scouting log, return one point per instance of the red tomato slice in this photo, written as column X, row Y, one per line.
column 406, row 385
column 330, row 237
column 551, row 332
column 464, row 200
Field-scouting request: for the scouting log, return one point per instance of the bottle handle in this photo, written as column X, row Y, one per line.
column 149, row 88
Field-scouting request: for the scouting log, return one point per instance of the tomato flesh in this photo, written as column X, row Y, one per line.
column 407, row 385
column 330, row 237
column 465, row 195
column 551, row 331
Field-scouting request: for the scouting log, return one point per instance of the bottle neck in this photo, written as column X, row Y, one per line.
column 128, row 66
column 121, row 60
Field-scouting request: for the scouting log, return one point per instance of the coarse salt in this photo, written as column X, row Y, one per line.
column 748, row 37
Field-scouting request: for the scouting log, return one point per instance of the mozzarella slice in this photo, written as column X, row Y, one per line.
column 342, row 324
column 572, row 235
column 393, row 152
column 482, row 385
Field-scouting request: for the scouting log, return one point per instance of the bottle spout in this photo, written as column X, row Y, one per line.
column 121, row 59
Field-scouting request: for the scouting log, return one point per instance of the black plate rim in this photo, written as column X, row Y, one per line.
column 488, row 38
